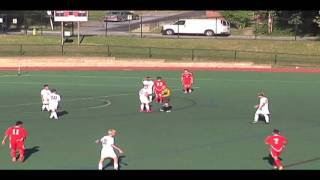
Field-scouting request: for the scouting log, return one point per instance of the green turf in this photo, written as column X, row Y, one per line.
column 208, row 129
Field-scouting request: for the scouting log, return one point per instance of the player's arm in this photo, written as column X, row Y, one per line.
column 4, row 139
column 267, row 140
column 192, row 78
column 264, row 103
column 98, row 141
column 117, row 148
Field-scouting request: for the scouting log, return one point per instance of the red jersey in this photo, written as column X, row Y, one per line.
column 159, row 85
column 187, row 77
column 16, row 133
column 276, row 142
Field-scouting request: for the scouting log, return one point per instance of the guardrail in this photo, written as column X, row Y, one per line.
column 274, row 58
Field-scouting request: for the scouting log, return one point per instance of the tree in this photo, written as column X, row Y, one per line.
column 317, row 20
column 295, row 19
column 238, row 19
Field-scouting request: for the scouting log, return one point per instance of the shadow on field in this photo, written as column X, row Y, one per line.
column 29, row 151
column 270, row 159
column 62, row 113
column 120, row 159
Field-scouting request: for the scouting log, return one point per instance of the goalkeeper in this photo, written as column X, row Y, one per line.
column 166, row 107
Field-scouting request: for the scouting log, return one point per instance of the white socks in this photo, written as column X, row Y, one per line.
column 256, row 118
column 266, row 117
column 54, row 114
column 115, row 166
column 100, row 166
column 147, row 107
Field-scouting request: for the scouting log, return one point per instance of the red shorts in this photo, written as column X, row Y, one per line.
column 187, row 85
column 17, row 145
column 275, row 154
column 158, row 93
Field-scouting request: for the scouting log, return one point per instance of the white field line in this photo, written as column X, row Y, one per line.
column 101, row 106
column 79, row 99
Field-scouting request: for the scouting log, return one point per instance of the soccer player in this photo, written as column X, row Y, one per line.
column 17, row 135
column 53, row 104
column 45, row 95
column 149, row 83
column 277, row 144
column 144, row 99
column 108, row 147
column 187, row 81
column 159, row 86
column 262, row 108
column 166, row 107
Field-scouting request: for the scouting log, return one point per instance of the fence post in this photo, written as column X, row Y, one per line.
column 21, row 53
column 141, row 27
column 192, row 54
column 275, row 59
column 150, row 55
column 235, row 54
column 108, row 50
column 41, row 25
column 62, row 50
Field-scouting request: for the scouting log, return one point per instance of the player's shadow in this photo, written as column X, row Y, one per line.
column 62, row 113
column 120, row 159
column 29, row 151
column 269, row 159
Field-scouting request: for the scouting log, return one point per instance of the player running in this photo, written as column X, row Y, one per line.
column 262, row 108
column 277, row 144
column 45, row 95
column 159, row 86
column 53, row 104
column 17, row 135
column 149, row 83
column 187, row 81
column 144, row 99
column 108, row 147
column 166, row 107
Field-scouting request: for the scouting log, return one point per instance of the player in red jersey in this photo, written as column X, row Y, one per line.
column 187, row 81
column 17, row 135
column 159, row 86
column 277, row 144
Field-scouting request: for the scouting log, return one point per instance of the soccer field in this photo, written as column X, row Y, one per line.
column 207, row 129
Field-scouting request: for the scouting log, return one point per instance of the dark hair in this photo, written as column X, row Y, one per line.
column 53, row 90
column 19, row 123
column 276, row 131
column 46, row 85
column 158, row 77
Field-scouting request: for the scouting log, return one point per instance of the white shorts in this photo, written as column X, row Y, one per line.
column 45, row 102
column 263, row 111
column 144, row 100
column 108, row 153
column 53, row 106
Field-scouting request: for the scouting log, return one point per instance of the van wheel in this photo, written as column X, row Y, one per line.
column 209, row 33
column 169, row 32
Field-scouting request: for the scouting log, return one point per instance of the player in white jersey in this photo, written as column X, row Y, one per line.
column 149, row 83
column 108, row 147
column 53, row 104
column 144, row 99
column 45, row 95
column 262, row 108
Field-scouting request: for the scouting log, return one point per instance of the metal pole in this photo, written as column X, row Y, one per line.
column 25, row 24
column 150, row 55
column 141, row 26
column 178, row 28
column 295, row 33
column 235, row 54
column 192, row 54
column 41, row 24
column 62, row 35
column 275, row 59
column 78, row 33
column 216, row 26
column 129, row 26
column 106, row 29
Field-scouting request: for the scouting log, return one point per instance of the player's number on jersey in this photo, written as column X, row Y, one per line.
column 159, row 83
column 15, row 132
column 276, row 140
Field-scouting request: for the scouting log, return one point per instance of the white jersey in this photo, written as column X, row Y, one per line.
column 107, row 141
column 45, row 93
column 265, row 107
column 54, row 98
column 143, row 95
column 149, row 85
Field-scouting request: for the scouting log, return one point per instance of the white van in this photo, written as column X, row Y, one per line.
column 208, row 27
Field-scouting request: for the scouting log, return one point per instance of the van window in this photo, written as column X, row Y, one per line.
column 182, row 22
column 224, row 23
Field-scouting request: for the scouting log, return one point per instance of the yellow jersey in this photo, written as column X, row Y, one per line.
column 166, row 92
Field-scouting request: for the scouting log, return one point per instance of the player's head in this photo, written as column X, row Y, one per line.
column 159, row 78
column 46, row 86
column 185, row 70
column 53, row 90
column 276, row 131
column 19, row 123
column 261, row 94
column 112, row 132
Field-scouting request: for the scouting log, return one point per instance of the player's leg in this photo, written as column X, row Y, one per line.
column 13, row 153
column 55, row 115
column 277, row 160
column 256, row 116
column 100, row 165
column 21, row 151
column 43, row 106
column 266, row 117
column 115, row 163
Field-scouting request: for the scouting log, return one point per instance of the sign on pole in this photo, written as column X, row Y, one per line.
column 129, row 17
column 70, row 16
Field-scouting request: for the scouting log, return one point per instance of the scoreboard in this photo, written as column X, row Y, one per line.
column 70, row 16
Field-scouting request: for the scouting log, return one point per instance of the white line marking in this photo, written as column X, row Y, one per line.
column 101, row 106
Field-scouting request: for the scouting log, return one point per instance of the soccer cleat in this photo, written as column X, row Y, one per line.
column 161, row 110
column 21, row 160
column 281, row 168
column 185, row 92
column 141, row 110
column 189, row 90
column 254, row 122
column 149, row 111
column 14, row 159
column 275, row 167
column 168, row 111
